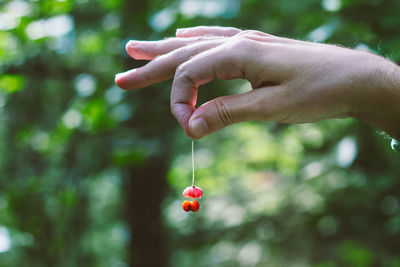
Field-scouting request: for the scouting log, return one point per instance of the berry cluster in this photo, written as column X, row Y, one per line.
column 190, row 205
column 192, row 192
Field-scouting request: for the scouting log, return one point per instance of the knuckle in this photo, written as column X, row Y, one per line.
column 181, row 70
column 233, row 29
column 180, row 54
column 200, row 38
column 189, row 51
column 224, row 114
column 237, row 49
column 250, row 33
column 183, row 73
column 146, row 75
column 238, row 44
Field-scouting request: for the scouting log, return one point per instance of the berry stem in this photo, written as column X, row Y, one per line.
column 192, row 163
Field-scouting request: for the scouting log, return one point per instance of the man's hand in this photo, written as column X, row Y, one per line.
column 293, row 81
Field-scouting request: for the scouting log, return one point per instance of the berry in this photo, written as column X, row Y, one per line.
column 190, row 205
column 193, row 192
column 186, row 206
column 195, row 206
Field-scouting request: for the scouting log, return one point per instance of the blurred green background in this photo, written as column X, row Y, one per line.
column 91, row 175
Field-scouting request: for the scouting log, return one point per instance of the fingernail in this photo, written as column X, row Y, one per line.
column 199, row 127
column 120, row 75
column 128, row 72
column 134, row 44
column 129, row 44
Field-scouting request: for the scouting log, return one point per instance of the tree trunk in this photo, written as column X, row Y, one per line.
column 145, row 190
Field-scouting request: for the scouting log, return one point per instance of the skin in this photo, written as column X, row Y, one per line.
column 293, row 81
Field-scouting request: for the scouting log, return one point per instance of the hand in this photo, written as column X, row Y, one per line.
column 293, row 81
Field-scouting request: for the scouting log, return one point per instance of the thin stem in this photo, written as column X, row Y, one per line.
column 192, row 163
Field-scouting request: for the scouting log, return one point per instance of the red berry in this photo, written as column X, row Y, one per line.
column 195, row 206
column 193, row 192
column 186, row 206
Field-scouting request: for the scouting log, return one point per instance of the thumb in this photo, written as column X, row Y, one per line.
column 223, row 111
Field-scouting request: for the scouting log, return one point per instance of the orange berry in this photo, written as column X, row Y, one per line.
column 194, row 206
column 186, row 206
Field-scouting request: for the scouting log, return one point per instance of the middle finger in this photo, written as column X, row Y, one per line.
column 148, row 50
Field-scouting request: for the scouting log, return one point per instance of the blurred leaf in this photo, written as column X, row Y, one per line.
column 354, row 255
column 11, row 83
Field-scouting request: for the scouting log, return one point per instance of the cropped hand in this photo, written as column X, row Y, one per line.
column 293, row 81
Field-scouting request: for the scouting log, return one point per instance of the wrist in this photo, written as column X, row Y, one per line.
column 379, row 98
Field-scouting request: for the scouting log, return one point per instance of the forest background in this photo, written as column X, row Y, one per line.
column 91, row 175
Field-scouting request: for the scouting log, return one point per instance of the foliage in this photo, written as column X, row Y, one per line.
column 91, row 175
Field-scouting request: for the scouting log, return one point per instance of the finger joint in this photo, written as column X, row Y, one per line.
column 224, row 115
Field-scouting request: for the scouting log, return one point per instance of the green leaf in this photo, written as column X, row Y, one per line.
column 11, row 83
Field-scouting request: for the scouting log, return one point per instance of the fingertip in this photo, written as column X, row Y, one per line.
column 128, row 45
column 137, row 50
column 180, row 32
column 123, row 79
column 189, row 134
column 198, row 127
column 132, row 46
column 119, row 81
column 132, row 49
